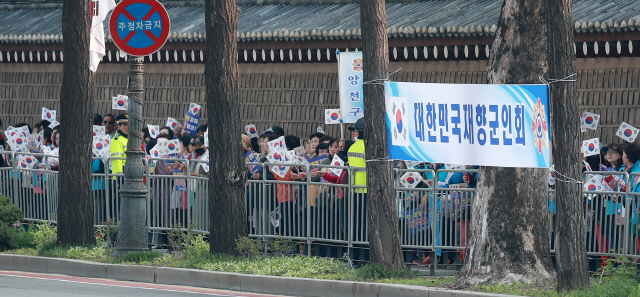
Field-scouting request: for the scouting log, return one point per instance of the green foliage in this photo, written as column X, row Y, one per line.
column 248, row 247
column 23, row 236
column 139, row 257
column 9, row 214
column 376, row 271
column 195, row 246
column 619, row 267
column 92, row 253
column 45, row 236
column 282, row 246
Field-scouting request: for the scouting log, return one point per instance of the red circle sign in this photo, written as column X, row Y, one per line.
column 139, row 27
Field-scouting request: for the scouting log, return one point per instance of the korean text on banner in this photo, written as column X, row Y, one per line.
column 351, row 74
column 486, row 125
column 191, row 123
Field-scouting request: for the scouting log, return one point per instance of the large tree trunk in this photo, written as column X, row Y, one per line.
column 75, row 200
column 227, row 175
column 384, row 232
column 509, row 238
column 571, row 254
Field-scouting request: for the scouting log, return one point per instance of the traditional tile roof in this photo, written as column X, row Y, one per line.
column 301, row 20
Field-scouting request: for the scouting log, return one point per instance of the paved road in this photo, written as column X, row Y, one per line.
column 25, row 284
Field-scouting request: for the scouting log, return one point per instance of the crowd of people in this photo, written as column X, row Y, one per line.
column 607, row 214
column 318, row 199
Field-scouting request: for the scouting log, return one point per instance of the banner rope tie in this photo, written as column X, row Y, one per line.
column 553, row 80
column 381, row 81
column 570, row 180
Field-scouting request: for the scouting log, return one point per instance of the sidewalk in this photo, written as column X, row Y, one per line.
column 221, row 280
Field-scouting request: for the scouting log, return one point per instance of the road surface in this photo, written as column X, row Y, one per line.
column 26, row 284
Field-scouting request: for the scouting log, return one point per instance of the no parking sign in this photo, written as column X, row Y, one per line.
column 139, row 27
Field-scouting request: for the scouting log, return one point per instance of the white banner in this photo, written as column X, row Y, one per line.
column 350, row 76
column 486, row 125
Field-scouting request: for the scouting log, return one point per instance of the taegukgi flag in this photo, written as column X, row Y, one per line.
column 120, row 102
column 251, row 130
column 332, row 116
column 154, row 130
column 589, row 120
column 486, row 125
column 627, row 132
column 100, row 10
column 591, row 147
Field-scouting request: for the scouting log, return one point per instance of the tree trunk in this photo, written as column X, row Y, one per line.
column 384, row 232
column 571, row 254
column 509, row 238
column 227, row 175
column 75, row 200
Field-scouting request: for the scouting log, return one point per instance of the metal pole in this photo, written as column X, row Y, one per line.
column 133, row 217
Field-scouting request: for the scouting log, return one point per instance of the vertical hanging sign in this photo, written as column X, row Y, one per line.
column 350, row 76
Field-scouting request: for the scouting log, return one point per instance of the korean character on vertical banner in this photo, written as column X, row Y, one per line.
column 589, row 120
column 591, row 147
column 627, row 132
column 399, row 124
column 153, row 130
column 48, row 115
column 350, row 69
column 251, row 130
column 120, row 102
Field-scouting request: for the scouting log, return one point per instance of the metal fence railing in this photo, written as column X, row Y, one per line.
column 328, row 216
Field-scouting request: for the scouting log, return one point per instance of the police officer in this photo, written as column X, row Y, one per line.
column 119, row 143
column 356, row 155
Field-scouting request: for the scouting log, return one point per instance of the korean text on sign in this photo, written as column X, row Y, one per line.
column 489, row 125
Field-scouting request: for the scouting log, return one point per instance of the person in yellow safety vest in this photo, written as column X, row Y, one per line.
column 357, row 157
column 119, row 143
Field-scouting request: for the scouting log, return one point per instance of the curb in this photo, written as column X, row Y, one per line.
column 221, row 280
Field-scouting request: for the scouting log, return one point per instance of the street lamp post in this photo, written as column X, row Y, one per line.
column 132, row 234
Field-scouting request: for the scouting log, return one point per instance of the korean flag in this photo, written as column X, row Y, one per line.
column 153, row 130
column 194, row 108
column 204, row 165
column 277, row 144
column 332, row 116
column 595, row 184
column 410, row 179
column 320, row 130
column 590, row 120
column 279, row 170
column 206, row 138
column 172, row 123
column 337, row 161
column 591, row 147
column 399, row 121
column 154, row 152
column 54, row 124
column 120, row 102
column 251, row 130
column 627, row 132
column 49, row 115
column 98, row 130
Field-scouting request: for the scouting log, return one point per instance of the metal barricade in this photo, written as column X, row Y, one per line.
column 454, row 213
column 633, row 230
column 605, row 213
column 417, row 209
